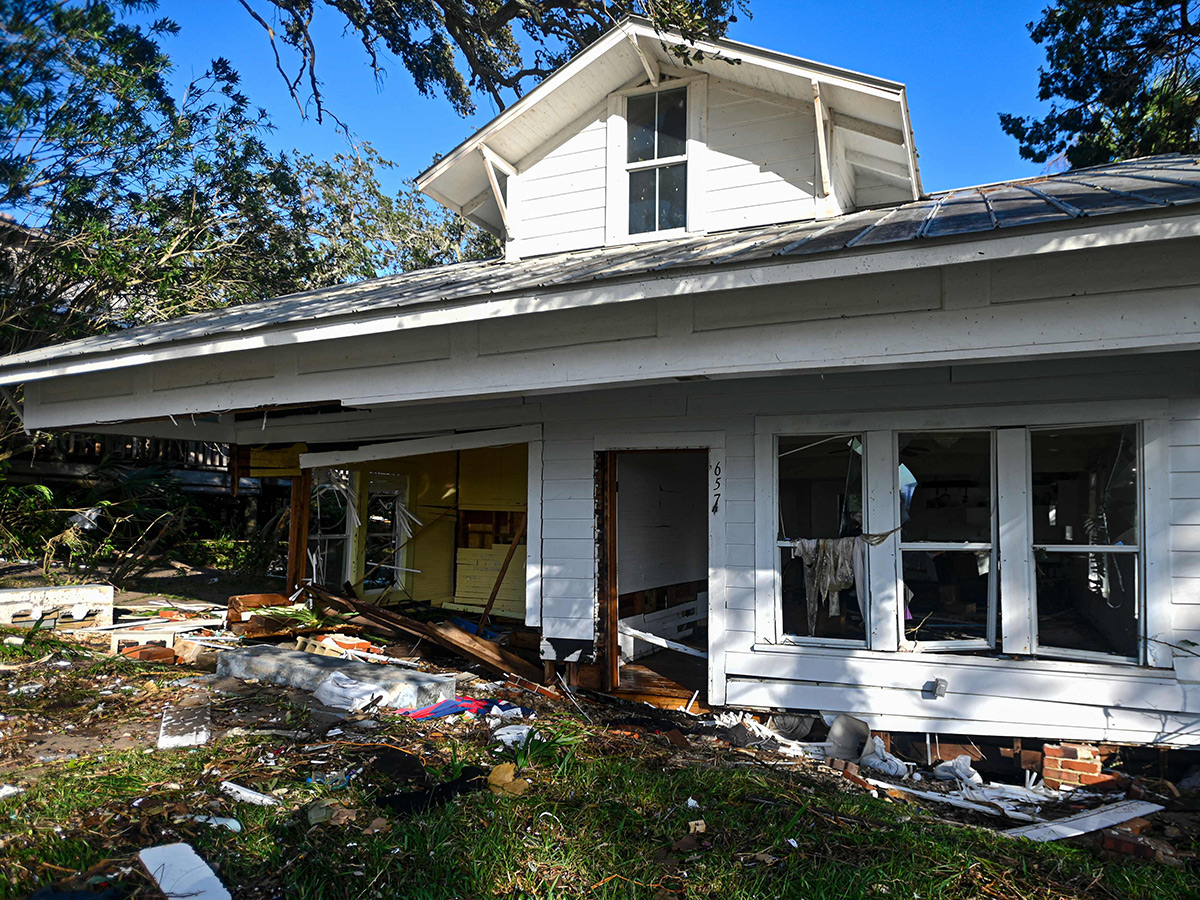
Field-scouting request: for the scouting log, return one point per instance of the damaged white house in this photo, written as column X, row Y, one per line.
column 745, row 409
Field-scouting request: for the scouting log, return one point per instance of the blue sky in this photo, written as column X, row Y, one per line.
column 963, row 63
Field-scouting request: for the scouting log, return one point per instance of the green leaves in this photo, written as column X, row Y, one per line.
column 1122, row 78
column 431, row 38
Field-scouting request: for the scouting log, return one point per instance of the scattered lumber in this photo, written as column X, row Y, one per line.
column 445, row 635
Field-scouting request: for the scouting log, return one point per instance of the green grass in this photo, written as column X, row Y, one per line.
column 599, row 821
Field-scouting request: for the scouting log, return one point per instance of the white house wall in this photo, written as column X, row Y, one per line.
column 761, row 159
column 558, row 201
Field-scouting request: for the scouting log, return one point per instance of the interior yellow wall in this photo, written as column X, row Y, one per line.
column 490, row 479
column 494, row 478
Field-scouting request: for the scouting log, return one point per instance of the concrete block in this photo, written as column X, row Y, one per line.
column 405, row 688
column 69, row 604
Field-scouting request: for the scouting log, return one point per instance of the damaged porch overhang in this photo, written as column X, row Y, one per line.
column 1127, row 203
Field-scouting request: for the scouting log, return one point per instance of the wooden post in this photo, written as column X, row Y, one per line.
column 512, row 548
column 298, row 529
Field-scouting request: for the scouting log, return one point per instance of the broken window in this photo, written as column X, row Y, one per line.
column 389, row 526
column 947, row 538
column 1084, row 486
column 332, row 515
column 822, row 559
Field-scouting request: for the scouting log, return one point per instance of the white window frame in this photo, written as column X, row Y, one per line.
column 1013, row 515
column 1139, row 572
column 618, row 168
column 779, row 635
column 993, row 546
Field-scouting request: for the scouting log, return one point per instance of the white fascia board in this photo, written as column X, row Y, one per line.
column 1082, row 234
column 472, row 440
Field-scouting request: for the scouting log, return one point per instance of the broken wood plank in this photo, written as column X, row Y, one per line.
column 1087, row 821
column 508, row 558
column 447, row 636
column 660, row 641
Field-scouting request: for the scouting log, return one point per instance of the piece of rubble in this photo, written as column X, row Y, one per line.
column 404, row 688
column 185, row 724
column 181, row 874
column 245, row 795
column 1087, row 821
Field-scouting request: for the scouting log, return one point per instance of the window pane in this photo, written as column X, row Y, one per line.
column 1085, row 485
column 820, row 507
column 820, row 486
column 946, row 595
column 639, row 113
column 672, row 123
column 1088, row 601
column 946, row 486
column 839, row 614
column 642, row 201
column 672, row 197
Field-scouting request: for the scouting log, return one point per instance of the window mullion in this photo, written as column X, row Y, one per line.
column 1014, row 513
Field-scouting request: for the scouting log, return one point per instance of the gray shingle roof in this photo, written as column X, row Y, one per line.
column 1144, row 185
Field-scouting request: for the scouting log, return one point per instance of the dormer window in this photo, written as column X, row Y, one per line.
column 656, row 162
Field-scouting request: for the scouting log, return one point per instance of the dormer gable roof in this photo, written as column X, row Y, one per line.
column 870, row 114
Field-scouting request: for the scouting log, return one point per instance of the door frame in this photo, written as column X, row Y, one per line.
column 605, row 447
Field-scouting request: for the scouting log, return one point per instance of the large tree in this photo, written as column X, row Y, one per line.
column 125, row 201
column 1122, row 80
column 460, row 48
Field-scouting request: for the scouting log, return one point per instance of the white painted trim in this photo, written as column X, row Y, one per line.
column 871, row 129
column 1156, row 541
column 1031, row 414
column 714, row 443
column 886, row 615
column 890, row 258
column 823, row 173
column 533, row 539
column 1015, row 513
column 470, row 440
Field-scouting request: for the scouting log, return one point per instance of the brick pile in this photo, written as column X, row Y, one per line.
column 1075, row 765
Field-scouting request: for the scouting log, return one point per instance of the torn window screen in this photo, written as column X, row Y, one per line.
column 1084, row 484
column 329, row 527
column 820, row 499
column 945, row 494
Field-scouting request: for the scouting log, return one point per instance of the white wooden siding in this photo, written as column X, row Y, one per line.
column 1184, row 481
column 561, row 197
column 760, row 161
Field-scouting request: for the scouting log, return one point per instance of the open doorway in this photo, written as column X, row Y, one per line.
column 654, row 564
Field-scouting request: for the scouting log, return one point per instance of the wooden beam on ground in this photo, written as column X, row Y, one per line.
column 448, row 637
column 298, row 529
column 508, row 558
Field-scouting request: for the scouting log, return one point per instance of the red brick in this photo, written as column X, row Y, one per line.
column 150, row 653
column 1137, row 826
column 1099, row 780
column 1126, row 843
column 1090, row 766
column 1051, row 750
column 1082, row 751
